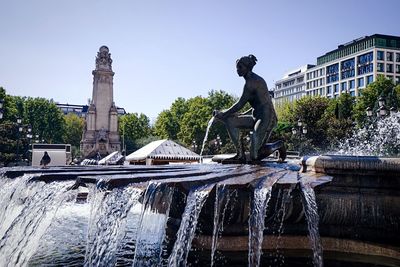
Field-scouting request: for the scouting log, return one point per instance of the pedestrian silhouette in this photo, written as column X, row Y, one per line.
column 45, row 160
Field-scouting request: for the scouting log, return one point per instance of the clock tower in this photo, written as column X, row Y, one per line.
column 100, row 134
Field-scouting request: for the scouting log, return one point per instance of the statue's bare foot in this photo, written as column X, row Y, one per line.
column 270, row 148
column 238, row 158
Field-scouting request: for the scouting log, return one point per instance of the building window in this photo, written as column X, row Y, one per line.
column 365, row 58
column 353, row 93
column 381, row 67
column 336, row 88
column 332, row 73
column 380, row 55
column 397, row 57
column 370, row 79
column 397, row 68
column 397, row 79
column 389, row 68
column 329, row 90
column 352, row 84
column 389, row 56
column 360, row 82
column 344, row 86
column 347, row 68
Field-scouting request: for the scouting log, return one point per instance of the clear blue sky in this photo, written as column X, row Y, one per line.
column 162, row 50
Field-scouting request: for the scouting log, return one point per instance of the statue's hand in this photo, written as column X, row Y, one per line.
column 218, row 114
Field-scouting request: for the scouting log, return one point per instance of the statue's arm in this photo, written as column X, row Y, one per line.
column 238, row 105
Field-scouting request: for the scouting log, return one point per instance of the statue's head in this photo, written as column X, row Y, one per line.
column 245, row 64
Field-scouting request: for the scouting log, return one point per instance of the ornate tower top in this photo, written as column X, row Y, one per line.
column 103, row 59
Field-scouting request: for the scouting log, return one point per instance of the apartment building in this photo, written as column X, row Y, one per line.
column 351, row 67
column 292, row 86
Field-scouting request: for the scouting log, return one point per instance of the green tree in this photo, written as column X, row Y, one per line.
column 133, row 127
column 194, row 122
column 166, row 126
column 339, row 119
column 168, row 122
column 46, row 119
column 73, row 131
column 310, row 110
column 13, row 144
column 369, row 97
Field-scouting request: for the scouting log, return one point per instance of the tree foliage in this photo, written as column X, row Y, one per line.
column 382, row 87
column 133, row 127
column 46, row 119
column 73, row 129
column 186, row 121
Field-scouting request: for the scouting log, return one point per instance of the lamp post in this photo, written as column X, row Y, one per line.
column 381, row 110
column 218, row 143
column 194, row 146
column 19, row 120
column 301, row 130
column 29, row 136
column 1, row 108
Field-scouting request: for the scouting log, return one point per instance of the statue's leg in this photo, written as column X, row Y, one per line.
column 233, row 124
column 261, row 134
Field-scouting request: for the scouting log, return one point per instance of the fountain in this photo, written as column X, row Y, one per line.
column 332, row 210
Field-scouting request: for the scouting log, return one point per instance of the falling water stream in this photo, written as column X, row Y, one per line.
column 33, row 233
column 151, row 232
column 210, row 122
column 311, row 212
column 27, row 210
column 261, row 197
column 107, row 222
column 221, row 196
column 194, row 203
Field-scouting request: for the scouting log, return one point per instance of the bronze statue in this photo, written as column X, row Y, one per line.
column 260, row 119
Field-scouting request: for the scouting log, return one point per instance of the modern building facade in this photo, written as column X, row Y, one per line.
column 354, row 65
column 292, row 86
column 101, row 127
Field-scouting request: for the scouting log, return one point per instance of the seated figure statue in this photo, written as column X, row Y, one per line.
column 260, row 119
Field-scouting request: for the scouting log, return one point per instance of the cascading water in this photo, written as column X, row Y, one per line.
column 107, row 222
column 27, row 211
column 379, row 138
column 64, row 242
column 283, row 199
column 151, row 232
column 194, row 203
column 221, row 197
column 311, row 212
column 262, row 194
column 210, row 122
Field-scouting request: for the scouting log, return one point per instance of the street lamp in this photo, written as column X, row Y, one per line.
column 29, row 136
column 218, row 142
column 1, row 108
column 381, row 111
column 301, row 130
column 393, row 110
column 194, row 145
column 369, row 112
column 19, row 120
column 381, row 101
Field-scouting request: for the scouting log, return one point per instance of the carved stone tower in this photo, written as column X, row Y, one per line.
column 101, row 128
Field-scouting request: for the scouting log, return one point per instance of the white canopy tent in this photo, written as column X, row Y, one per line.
column 162, row 152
